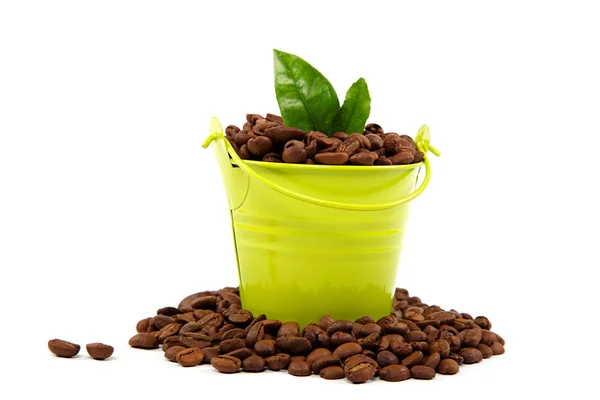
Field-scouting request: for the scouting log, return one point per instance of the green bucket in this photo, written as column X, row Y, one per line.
column 312, row 240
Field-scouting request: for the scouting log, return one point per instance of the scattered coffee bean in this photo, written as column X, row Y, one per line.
column 333, row 372
column 422, row 372
column 63, row 348
column 394, row 373
column 414, row 340
column 99, row 351
column 226, row 364
column 190, row 357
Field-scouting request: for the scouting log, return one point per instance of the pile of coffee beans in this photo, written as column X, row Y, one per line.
column 416, row 340
column 62, row 348
column 268, row 139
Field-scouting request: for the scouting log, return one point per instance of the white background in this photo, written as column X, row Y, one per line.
column 110, row 209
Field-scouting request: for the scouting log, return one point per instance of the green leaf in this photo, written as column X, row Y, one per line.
column 306, row 98
column 351, row 118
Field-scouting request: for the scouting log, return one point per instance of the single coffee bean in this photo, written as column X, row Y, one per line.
column 500, row 340
column 339, row 338
column 272, row 157
column 293, row 345
column 340, row 325
column 99, row 351
column 294, row 154
column 384, row 344
column 483, row 323
column 376, row 141
column 365, row 143
column 274, row 118
column 301, row 358
column 485, row 350
column 365, row 320
column 418, row 156
column 470, row 337
column 281, row 134
column 360, row 368
column 349, row 147
column 66, row 349
column 386, row 357
column 383, row 160
column 289, row 329
column 324, row 361
column 432, row 360
column 210, row 353
column 488, row 337
column 194, row 339
column 371, row 342
column 331, row 158
column 253, row 364
column 364, row 158
column 171, row 354
column 325, row 322
column 394, row 373
column 190, row 357
column 241, row 353
column 235, row 333
column 340, row 135
column 278, row 361
column 471, row 355
column 318, row 353
column 448, row 367
column 190, row 327
column 440, row 346
column 168, row 330
column 160, row 321
column 497, row 348
column 331, row 373
column 401, row 349
column 323, row 339
column 373, row 128
column 143, row 341
column 240, row 317
column 422, row 372
column 256, row 333
column 415, row 336
column 402, row 158
column 459, row 360
column 229, row 345
column 415, row 358
column 259, row 146
column 143, row 325
column 271, row 326
column 265, row 348
column 299, row 368
column 460, row 324
column 226, row 364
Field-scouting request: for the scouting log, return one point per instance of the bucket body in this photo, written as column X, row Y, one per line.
column 298, row 261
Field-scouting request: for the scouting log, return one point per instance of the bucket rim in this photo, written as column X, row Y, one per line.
column 313, row 167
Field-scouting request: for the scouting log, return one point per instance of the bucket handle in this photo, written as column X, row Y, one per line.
column 422, row 144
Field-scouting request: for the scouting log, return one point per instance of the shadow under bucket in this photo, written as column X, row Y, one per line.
column 313, row 239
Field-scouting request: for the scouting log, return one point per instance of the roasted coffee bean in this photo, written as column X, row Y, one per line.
column 415, row 336
column 66, row 349
column 470, row 337
column 349, row 147
column 242, row 138
column 99, row 351
column 226, row 364
column 294, row 154
column 252, row 118
column 229, row 345
column 440, row 346
column 386, row 357
column 382, row 160
column 265, row 348
column 144, row 325
column 429, row 329
column 373, row 128
column 459, row 360
column 242, row 353
column 384, row 344
column 394, row 373
column 171, row 353
column 331, row 158
column 293, row 345
column 240, row 317
column 160, row 321
column 365, row 143
column 190, row 327
column 339, row 338
column 274, row 118
column 448, row 367
column 376, row 141
column 360, row 368
column 340, row 135
column 256, row 333
column 402, row 158
column 212, row 319
column 470, row 355
column 422, row 372
column 318, row 353
column 365, row 320
column 432, row 360
column 454, row 343
column 171, row 341
column 347, row 350
column 233, row 334
column 323, row 339
column 500, row 339
column 415, row 358
column 485, row 350
column 488, row 337
column 331, row 373
column 366, row 158
column 497, row 348
column 420, row 346
column 370, row 354
column 278, row 361
column 313, row 136
column 210, row 353
column 231, row 131
column 143, row 341
column 253, row 364
column 281, row 134
column 169, row 330
column 324, row 361
column 190, row 357
column 341, row 325
column 400, row 349
column 168, row 311
column 272, row 157
column 418, row 156
column 460, row 324
column 244, row 153
column 483, row 323
column 194, row 339
column 299, row 368
column 371, row 342
column 289, row 329
column 325, row 322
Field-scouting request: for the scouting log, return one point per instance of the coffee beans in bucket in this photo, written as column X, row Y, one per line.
column 268, row 139
column 416, row 340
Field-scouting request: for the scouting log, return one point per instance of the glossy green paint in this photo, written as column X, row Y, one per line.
column 313, row 239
